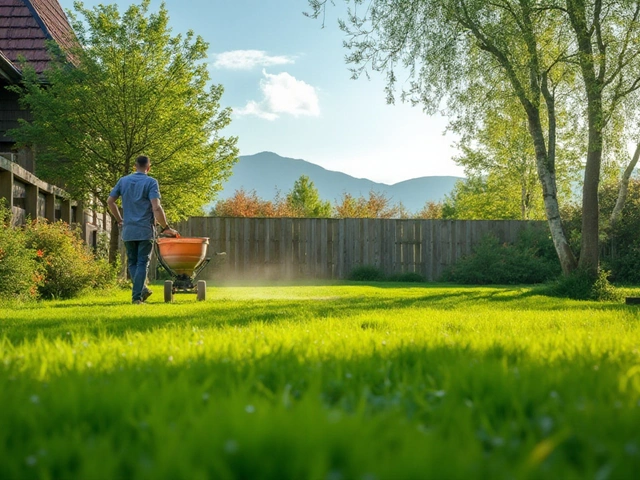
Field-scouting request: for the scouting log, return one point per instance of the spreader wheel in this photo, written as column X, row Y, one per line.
column 168, row 291
column 201, row 289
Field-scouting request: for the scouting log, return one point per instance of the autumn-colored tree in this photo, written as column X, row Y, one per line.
column 378, row 205
column 249, row 204
column 430, row 211
column 243, row 204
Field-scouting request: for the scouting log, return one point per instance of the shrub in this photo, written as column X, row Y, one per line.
column 407, row 277
column 367, row 273
column 20, row 274
column 69, row 266
column 580, row 285
column 625, row 266
column 531, row 259
column 106, row 274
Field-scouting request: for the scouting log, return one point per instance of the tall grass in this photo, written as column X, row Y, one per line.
column 321, row 382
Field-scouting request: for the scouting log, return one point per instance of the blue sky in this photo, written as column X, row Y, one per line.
column 286, row 79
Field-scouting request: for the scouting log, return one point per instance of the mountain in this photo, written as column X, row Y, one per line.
column 267, row 172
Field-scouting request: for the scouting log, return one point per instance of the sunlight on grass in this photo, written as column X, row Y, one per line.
column 330, row 381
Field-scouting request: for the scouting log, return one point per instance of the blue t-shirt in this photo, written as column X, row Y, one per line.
column 137, row 190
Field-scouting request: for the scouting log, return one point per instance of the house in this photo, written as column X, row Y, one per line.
column 25, row 28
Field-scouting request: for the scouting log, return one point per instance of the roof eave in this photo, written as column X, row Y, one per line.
column 8, row 70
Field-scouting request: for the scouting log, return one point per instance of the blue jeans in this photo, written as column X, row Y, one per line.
column 138, row 257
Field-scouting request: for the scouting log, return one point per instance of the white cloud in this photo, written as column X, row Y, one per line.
column 248, row 59
column 254, row 108
column 283, row 94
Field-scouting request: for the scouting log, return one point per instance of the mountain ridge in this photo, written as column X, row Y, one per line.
column 269, row 173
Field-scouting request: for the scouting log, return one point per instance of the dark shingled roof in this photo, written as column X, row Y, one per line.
column 26, row 25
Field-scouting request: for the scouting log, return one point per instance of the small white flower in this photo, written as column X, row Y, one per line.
column 334, row 475
column 249, row 409
column 35, row 399
column 170, row 359
column 230, row 446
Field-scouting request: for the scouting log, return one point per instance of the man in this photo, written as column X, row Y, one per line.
column 141, row 205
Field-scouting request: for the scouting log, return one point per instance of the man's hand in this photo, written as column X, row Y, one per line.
column 169, row 232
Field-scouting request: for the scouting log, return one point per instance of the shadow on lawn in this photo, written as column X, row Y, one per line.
column 97, row 320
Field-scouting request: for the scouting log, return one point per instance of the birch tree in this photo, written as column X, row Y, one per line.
column 533, row 45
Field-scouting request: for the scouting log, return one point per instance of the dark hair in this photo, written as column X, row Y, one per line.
column 142, row 161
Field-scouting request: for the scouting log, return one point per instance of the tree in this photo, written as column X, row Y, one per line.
column 499, row 161
column 133, row 89
column 482, row 198
column 430, row 211
column 377, row 205
column 243, row 204
column 304, row 200
column 248, row 204
column 537, row 47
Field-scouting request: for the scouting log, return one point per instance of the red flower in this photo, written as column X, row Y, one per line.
column 40, row 253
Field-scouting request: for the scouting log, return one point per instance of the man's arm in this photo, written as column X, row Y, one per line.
column 161, row 218
column 113, row 208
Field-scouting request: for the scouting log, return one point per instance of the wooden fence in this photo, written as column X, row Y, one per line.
column 299, row 248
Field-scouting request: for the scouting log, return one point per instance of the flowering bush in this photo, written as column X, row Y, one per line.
column 68, row 264
column 20, row 273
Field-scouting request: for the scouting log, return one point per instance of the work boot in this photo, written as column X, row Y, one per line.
column 137, row 302
column 146, row 293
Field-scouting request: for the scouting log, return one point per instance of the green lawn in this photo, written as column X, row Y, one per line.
column 332, row 382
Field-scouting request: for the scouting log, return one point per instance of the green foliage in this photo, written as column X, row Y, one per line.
column 480, row 198
column 371, row 273
column 409, row 277
column 134, row 89
column 531, row 259
column 20, row 274
column 69, row 266
column 500, row 162
column 581, row 285
column 304, row 200
column 320, row 382
column 625, row 265
column 367, row 273
column 619, row 243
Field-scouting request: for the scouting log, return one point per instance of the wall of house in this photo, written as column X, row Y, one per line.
column 29, row 197
column 10, row 113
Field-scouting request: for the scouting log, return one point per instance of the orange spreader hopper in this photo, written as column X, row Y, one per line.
column 183, row 255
